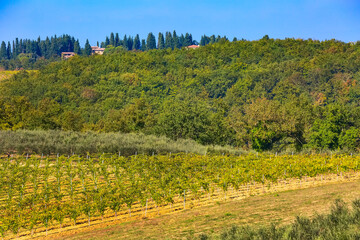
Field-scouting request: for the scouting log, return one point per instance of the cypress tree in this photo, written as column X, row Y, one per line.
column 143, row 45
column 54, row 46
column 161, row 41
column 13, row 50
column 125, row 42
column 37, row 46
column 137, row 44
column 97, row 43
column 218, row 38
column 107, row 41
column 175, row 40
column 212, row 39
column 130, row 43
column 17, row 47
column 3, row 52
column 150, row 41
column 8, row 51
column 87, row 49
column 112, row 39
column 117, row 40
column 234, row 39
column 202, row 40
column 77, row 48
column 188, row 40
column 168, row 40
column 28, row 47
column 21, row 47
column 182, row 40
column 47, row 48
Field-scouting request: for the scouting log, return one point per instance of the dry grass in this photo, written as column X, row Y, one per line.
column 279, row 207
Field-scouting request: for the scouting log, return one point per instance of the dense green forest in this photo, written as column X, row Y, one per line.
column 268, row 94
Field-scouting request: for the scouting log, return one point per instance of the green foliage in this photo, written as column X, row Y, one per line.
column 53, row 142
column 270, row 94
column 150, row 42
column 87, row 49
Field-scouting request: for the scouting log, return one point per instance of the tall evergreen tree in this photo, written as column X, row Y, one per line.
column 112, row 39
column 87, row 49
column 212, row 39
column 143, row 45
column 137, row 44
column 117, row 40
column 150, row 42
column 47, row 48
column 130, row 43
column 107, row 41
column 17, row 47
column 13, row 50
column 125, row 42
column 176, row 40
column 188, row 40
column 21, row 46
column 77, row 48
column 182, row 40
column 54, row 46
column 234, row 39
column 161, row 41
column 3, row 52
column 8, row 51
column 97, row 43
column 168, row 40
column 37, row 46
column 218, row 38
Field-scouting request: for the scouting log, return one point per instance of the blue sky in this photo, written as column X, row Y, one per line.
column 252, row 19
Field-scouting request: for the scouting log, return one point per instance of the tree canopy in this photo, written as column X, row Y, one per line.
column 268, row 94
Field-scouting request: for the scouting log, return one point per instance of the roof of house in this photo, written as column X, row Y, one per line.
column 193, row 46
column 68, row 53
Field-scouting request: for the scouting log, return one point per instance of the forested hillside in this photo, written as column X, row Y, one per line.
column 265, row 95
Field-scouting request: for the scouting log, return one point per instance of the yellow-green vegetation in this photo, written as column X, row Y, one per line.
column 51, row 192
column 6, row 74
column 280, row 208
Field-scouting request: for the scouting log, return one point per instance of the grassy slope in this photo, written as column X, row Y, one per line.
column 6, row 74
column 279, row 208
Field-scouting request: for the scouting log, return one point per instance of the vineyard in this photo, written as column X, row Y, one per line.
column 39, row 193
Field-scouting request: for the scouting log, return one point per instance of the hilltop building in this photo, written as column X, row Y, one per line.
column 66, row 55
column 192, row 46
column 97, row 50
